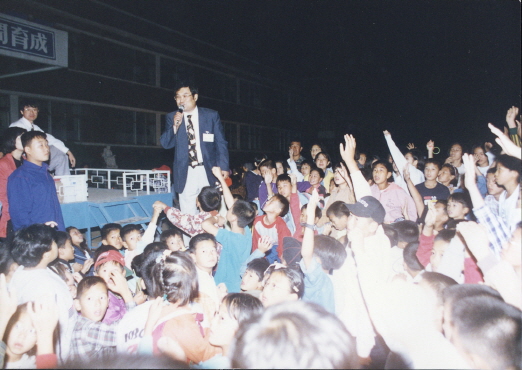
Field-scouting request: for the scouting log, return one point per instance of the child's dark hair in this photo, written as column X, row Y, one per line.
column 259, row 266
column 419, row 157
column 193, row 244
column 244, row 212
column 9, row 138
column 209, row 199
column 462, row 198
column 144, row 270
column 453, row 172
column 268, row 163
column 460, row 291
column 294, row 275
column 409, row 255
column 511, row 163
column 6, row 260
column 29, row 136
column 330, row 251
column 107, row 228
column 318, row 212
column 254, row 206
column 319, row 171
column 438, row 283
column 338, row 209
column 432, row 161
column 284, row 164
column 445, row 235
column 20, row 310
column 165, row 235
column 30, row 243
column 83, row 245
column 308, row 162
column 128, row 229
column 407, row 231
column 283, row 177
column 384, row 163
column 175, row 277
column 461, row 147
column 61, row 239
column 391, row 233
column 87, row 283
column 242, row 307
column 283, row 202
column 325, row 154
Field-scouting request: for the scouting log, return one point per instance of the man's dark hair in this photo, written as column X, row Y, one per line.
column 87, row 283
column 318, row 170
column 28, row 137
column 244, row 212
column 330, row 251
column 259, row 266
column 511, row 163
column 407, row 231
column 285, row 205
column 338, row 209
column 28, row 103
column 409, row 255
column 193, row 244
column 9, row 138
column 128, row 229
column 181, row 84
column 489, row 329
column 107, row 228
column 30, row 243
column 209, row 199
column 294, row 335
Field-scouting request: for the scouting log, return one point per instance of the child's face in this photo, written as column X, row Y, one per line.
column 445, row 176
column 362, row 159
column 436, row 254
column 22, row 337
column 305, row 169
column 67, row 252
column 315, row 149
column 205, row 256
column 314, row 179
column 322, row 162
column 38, row 150
column 76, row 236
column 175, row 243
column 480, row 157
column 279, row 168
column 493, row 188
column 441, row 215
column 114, row 239
column 107, row 269
column 411, row 160
column 223, row 328
column 504, row 175
column 284, row 188
column 338, row 223
column 456, row 210
column 431, row 171
column 131, row 239
column 380, row 174
column 456, row 152
column 251, row 281
column 277, row 289
column 272, row 206
column 93, row 303
column 338, row 178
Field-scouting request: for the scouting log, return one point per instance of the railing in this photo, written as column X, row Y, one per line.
column 127, row 180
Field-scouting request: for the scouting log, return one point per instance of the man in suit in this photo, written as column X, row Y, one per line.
column 197, row 136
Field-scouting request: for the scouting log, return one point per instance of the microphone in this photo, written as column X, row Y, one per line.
column 180, row 110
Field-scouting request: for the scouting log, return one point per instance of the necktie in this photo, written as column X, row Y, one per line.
column 192, row 152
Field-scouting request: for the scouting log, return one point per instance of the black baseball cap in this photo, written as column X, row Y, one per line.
column 368, row 207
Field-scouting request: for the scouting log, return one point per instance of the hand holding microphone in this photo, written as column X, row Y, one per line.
column 178, row 117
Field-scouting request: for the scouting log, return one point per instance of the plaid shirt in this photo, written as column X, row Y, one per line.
column 498, row 231
column 92, row 340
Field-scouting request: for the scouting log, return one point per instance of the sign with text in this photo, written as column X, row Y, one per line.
column 27, row 40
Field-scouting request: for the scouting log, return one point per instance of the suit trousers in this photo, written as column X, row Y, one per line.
column 59, row 162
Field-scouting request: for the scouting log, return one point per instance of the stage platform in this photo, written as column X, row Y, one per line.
column 106, row 206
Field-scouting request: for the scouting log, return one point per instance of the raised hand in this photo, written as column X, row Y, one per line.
column 430, row 146
column 476, row 237
column 264, row 244
column 410, row 146
column 505, row 143
column 348, row 150
column 386, row 133
column 511, row 117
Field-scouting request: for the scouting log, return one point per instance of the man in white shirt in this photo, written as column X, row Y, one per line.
column 60, row 154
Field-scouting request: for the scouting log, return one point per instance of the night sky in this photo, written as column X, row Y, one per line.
column 421, row 69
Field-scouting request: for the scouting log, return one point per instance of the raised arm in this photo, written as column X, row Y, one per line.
column 505, row 143
column 396, row 153
column 360, row 185
column 431, row 147
column 307, row 250
column 227, row 194
column 417, row 198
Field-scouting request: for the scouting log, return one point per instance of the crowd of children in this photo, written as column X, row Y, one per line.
column 401, row 263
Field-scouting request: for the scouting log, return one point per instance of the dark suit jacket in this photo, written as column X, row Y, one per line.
column 214, row 153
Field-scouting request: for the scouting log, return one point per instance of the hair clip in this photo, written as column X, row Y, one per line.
column 295, row 289
column 276, row 266
column 165, row 297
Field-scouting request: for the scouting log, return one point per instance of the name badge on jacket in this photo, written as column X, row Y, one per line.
column 208, row 137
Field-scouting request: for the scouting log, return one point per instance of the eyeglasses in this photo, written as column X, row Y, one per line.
column 31, row 109
column 179, row 97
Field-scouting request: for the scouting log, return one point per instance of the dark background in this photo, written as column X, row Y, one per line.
column 421, row 69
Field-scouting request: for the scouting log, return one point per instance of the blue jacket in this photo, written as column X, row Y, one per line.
column 32, row 197
column 215, row 152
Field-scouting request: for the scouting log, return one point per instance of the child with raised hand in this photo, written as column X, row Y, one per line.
column 401, row 161
column 508, row 175
column 455, row 159
column 449, row 177
column 110, row 266
column 32, row 324
column 82, row 253
column 133, row 241
column 237, row 242
column 320, row 255
column 282, row 284
column 322, row 161
column 458, row 208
